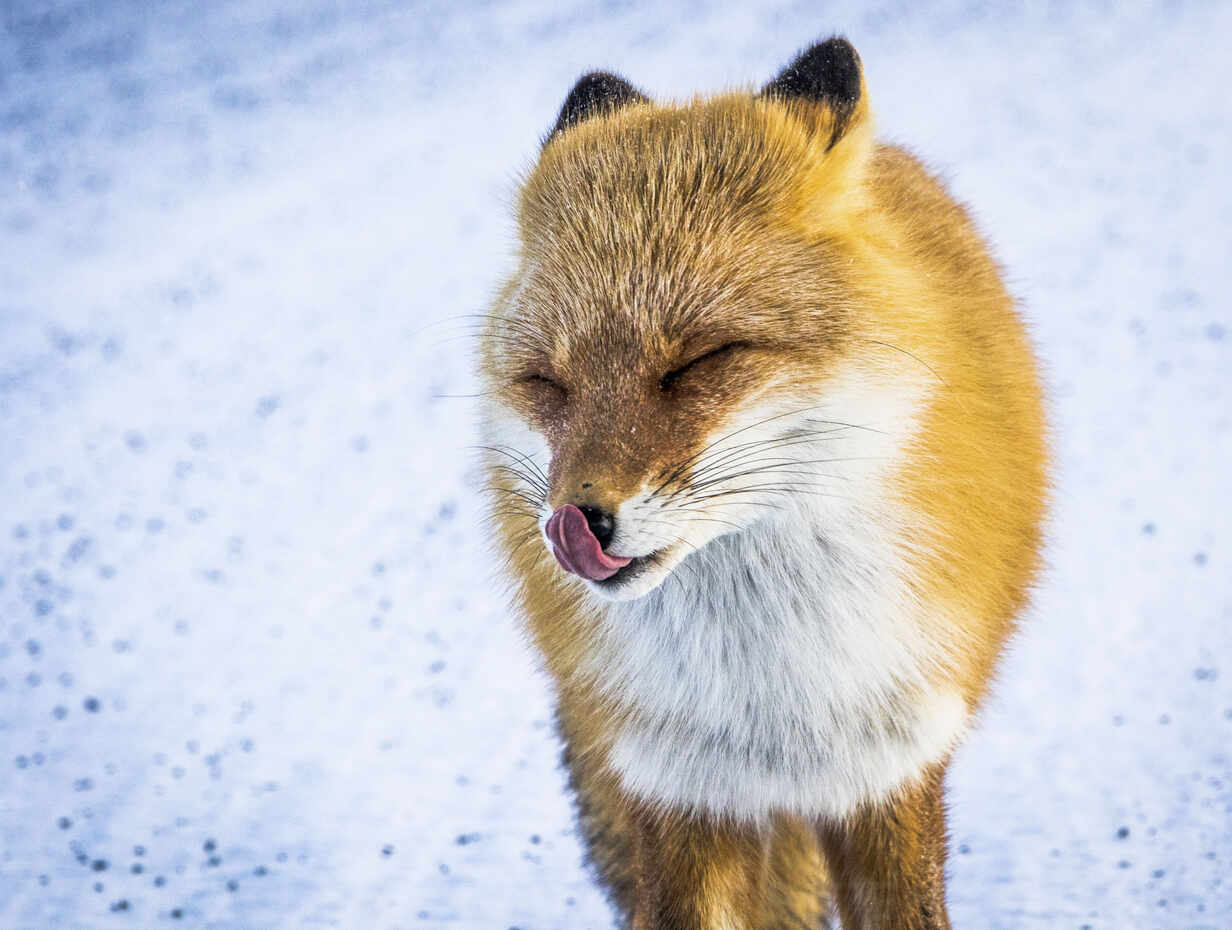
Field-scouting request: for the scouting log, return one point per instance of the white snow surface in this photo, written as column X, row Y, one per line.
column 255, row 670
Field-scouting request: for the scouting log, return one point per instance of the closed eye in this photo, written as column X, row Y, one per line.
column 543, row 389
column 541, row 381
column 723, row 351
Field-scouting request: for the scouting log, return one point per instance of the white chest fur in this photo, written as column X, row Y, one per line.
column 783, row 668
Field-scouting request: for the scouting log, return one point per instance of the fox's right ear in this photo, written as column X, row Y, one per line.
column 594, row 93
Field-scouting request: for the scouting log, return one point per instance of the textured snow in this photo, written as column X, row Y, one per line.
column 254, row 671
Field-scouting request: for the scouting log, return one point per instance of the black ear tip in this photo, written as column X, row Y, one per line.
column 826, row 71
column 593, row 93
column 600, row 84
column 842, row 63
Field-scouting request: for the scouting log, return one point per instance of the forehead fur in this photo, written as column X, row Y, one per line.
column 737, row 148
column 658, row 217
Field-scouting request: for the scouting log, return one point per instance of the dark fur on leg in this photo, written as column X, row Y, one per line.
column 888, row 860
column 663, row 871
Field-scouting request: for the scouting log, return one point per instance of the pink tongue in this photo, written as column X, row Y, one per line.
column 576, row 548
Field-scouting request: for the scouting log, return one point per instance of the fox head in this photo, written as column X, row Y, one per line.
column 684, row 349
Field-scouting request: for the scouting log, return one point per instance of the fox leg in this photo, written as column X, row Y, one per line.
column 699, row 873
column 665, row 871
column 672, row 871
column 887, row 860
column 668, row 871
column 695, row 873
column 798, row 895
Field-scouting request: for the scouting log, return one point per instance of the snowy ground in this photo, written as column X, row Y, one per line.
column 252, row 671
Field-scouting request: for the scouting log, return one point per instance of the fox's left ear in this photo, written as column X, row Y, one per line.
column 829, row 75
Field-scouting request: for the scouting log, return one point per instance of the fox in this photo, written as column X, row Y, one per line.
column 766, row 463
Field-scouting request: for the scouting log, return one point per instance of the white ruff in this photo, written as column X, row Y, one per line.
column 785, row 667
column 782, row 677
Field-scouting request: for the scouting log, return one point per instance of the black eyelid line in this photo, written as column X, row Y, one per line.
column 718, row 350
column 535, row 376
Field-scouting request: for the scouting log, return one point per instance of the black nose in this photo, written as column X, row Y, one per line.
column 602, row 524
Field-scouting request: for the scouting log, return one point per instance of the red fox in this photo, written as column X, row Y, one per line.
column 768, row 462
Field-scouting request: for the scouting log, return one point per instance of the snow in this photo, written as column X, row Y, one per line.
column 255, row 670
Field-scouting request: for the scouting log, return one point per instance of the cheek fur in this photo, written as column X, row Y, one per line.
column 516, row 452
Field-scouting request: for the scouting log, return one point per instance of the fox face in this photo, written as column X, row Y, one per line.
column 676, row 355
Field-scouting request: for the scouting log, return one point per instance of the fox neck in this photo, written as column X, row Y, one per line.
column 805, row 572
